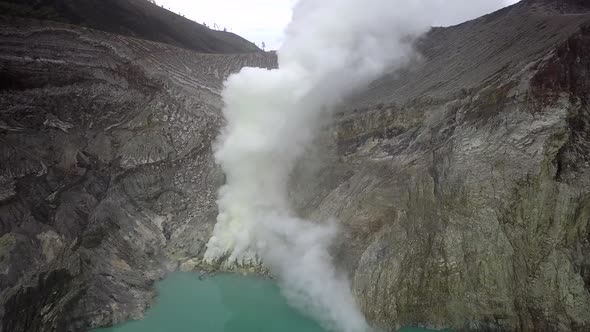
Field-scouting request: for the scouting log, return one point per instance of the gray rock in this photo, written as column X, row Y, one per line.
column 461, row 185
column 107, row 180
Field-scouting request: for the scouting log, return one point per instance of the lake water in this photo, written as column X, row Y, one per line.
column 222, row 303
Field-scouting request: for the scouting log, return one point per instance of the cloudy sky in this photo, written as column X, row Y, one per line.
column 264, row 20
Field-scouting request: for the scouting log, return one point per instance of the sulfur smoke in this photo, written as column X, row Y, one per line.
column 332, row 49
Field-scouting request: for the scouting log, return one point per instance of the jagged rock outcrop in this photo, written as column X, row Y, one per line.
column 462, row 184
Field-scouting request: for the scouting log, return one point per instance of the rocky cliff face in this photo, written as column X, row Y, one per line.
column 462, row 184
column 106, row 170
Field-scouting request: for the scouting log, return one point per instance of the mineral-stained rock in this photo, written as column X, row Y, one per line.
column 462, row 184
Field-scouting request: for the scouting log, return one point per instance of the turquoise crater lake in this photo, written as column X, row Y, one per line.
column 222, row 303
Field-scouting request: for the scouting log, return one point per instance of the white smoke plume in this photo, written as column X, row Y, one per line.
column 332, row 49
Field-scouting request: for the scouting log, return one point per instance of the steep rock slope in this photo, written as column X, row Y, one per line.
column 106, row 170
column 134, row 18
column 463, row 183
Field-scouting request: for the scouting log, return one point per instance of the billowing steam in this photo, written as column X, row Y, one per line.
column 332, row 48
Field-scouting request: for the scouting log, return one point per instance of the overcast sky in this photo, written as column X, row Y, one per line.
column 264, row 20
